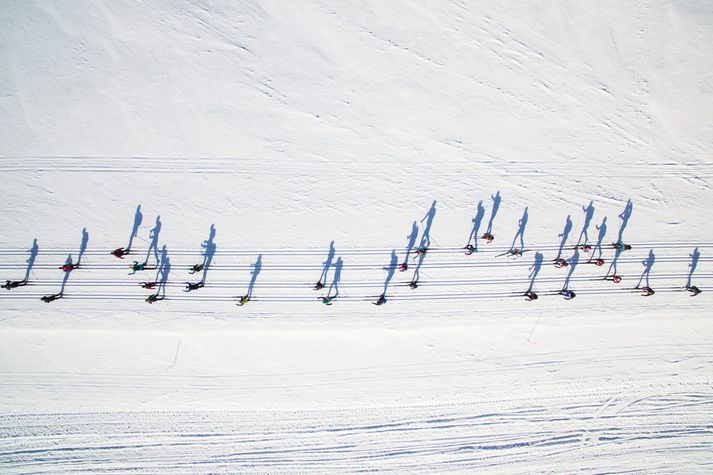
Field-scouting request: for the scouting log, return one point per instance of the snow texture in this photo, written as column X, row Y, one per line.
column 289, row 125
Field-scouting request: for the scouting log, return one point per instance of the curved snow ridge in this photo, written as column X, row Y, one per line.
column 649, row 428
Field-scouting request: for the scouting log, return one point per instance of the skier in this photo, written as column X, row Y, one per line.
column 561, row 262
column 469, row 249
column 120, row 252
column 148, row 285
column 646, row 291
column 136, row 267
column 326, row 300
column 13, row 284
column 190, row 286
column 381, row 300
column 420, row 251
column 693, row 290
column 567, row 294
column 196, row 268
column 530, row 295
column 243, row 300
column 51, row 298
column 154, row 298
column 620, row 246
column 68, row 267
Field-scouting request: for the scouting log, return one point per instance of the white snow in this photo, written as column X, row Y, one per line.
column 291, row 124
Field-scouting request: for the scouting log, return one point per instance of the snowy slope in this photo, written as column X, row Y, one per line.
column 289, row 125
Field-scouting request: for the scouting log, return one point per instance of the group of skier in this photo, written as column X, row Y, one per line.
column 416, row 252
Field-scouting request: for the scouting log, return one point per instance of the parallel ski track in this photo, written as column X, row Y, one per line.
column 256, row 166
column 652, row 428
column 483, row 249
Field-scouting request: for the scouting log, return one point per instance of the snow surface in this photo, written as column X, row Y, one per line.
column 291, row 124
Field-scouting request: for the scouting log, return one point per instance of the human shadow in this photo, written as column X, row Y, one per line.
column 153, row 241
column 624, row 216
column 409, row 246
column 496, row 205
column 477, row 220
column 564, row 236
column 602, row 228
column 67, row 269
column 325, row 270
column 334, row 286
column 390, row 274
column 425, row 242
column 588, row 214
column 123, row 251
column 648, row 264
column 534, row 270
column 573, row 261
column 417, row 271
column 256, row 268
column 83, row 246
column 209, row 248
column 13, row 284
column 692, row 265
column 611, row 273
column 138, row 218
column 522, row 223
column 162, row 274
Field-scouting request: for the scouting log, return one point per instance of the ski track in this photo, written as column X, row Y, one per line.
column 649, row 429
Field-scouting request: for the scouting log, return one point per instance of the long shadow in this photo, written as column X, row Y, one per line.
column 602, row 228
column 153, row 241
column 138, row 218
column 335, row 281
column 67, row 265
column 522, row 223
column 390, row 274
column 209, row 248
column 648, row 263
column 496, row 204
column 477, row 220
column 257, row 267
column 624, row 216
column 588, row 214
column 325, row 270
column 83, row 246
column 573, row 261
column 31, row 260
column 534, row 270
column 692, row 265
column 164, row 269
column 612, row 267
column 13, row 284
column 417, row 271
column 209, row 253
column 409, row 245
column 426, row 235
column 564, row 236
